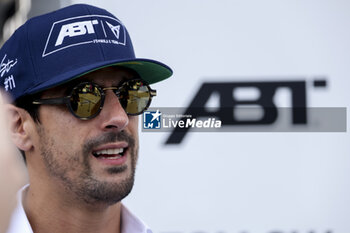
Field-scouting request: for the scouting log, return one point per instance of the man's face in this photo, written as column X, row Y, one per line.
column 92, row 159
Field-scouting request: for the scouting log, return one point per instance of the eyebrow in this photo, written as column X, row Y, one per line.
column 102, row 82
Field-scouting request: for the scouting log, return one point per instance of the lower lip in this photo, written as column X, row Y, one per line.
column 117, row 161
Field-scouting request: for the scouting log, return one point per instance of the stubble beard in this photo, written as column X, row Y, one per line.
column 85, row 186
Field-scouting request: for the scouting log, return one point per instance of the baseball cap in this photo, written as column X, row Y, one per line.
column 57, row 47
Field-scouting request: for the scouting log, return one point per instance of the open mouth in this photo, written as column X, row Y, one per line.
column 110, row 153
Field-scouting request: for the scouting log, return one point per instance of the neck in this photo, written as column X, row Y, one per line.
column 52, row 210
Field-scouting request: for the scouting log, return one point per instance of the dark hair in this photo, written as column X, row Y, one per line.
column 26, row 102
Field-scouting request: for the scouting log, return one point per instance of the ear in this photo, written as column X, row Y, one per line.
column 21, row 127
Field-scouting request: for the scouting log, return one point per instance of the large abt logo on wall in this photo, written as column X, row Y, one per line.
column 228, row 104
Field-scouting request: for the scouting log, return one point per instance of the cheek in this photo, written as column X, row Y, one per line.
column 134, row 126
column 61, row 143
column 56, row 117
column 60, row 125
column 133, row 130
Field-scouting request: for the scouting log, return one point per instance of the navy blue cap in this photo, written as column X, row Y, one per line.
column 57, row 47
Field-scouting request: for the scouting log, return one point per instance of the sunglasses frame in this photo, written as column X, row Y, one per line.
column 66, row 99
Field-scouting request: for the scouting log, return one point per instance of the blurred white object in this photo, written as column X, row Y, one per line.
column 12, row 171
column 22, row 8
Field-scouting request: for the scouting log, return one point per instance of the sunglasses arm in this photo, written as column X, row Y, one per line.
column 152, row 92
column 63, row 100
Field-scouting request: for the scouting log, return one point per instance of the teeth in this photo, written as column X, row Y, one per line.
column 115, row 157
column 110, row 152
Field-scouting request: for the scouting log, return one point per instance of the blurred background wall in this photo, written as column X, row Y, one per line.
column 242, row 182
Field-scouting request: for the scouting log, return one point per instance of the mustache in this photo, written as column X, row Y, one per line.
column 109, row 137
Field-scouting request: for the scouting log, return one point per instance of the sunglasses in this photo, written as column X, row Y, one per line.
column 86, row 99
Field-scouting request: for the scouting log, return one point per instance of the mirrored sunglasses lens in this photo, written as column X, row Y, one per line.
column 134, row 96
column 86, row 100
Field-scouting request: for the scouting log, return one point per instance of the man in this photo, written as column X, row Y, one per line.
column 78, row 90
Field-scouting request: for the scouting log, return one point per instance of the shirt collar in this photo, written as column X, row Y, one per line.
column 130, row 223
column 19, row 221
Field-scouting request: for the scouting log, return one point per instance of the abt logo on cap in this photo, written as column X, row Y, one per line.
column 76, row 29
column 81, row 30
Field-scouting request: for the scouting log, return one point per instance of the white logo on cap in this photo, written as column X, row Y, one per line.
column 5, row 67
column 9, row 82
column 82, row 30
column 76, row 29
column 114, row 29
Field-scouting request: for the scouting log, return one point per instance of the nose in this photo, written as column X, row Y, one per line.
column 112, row 114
